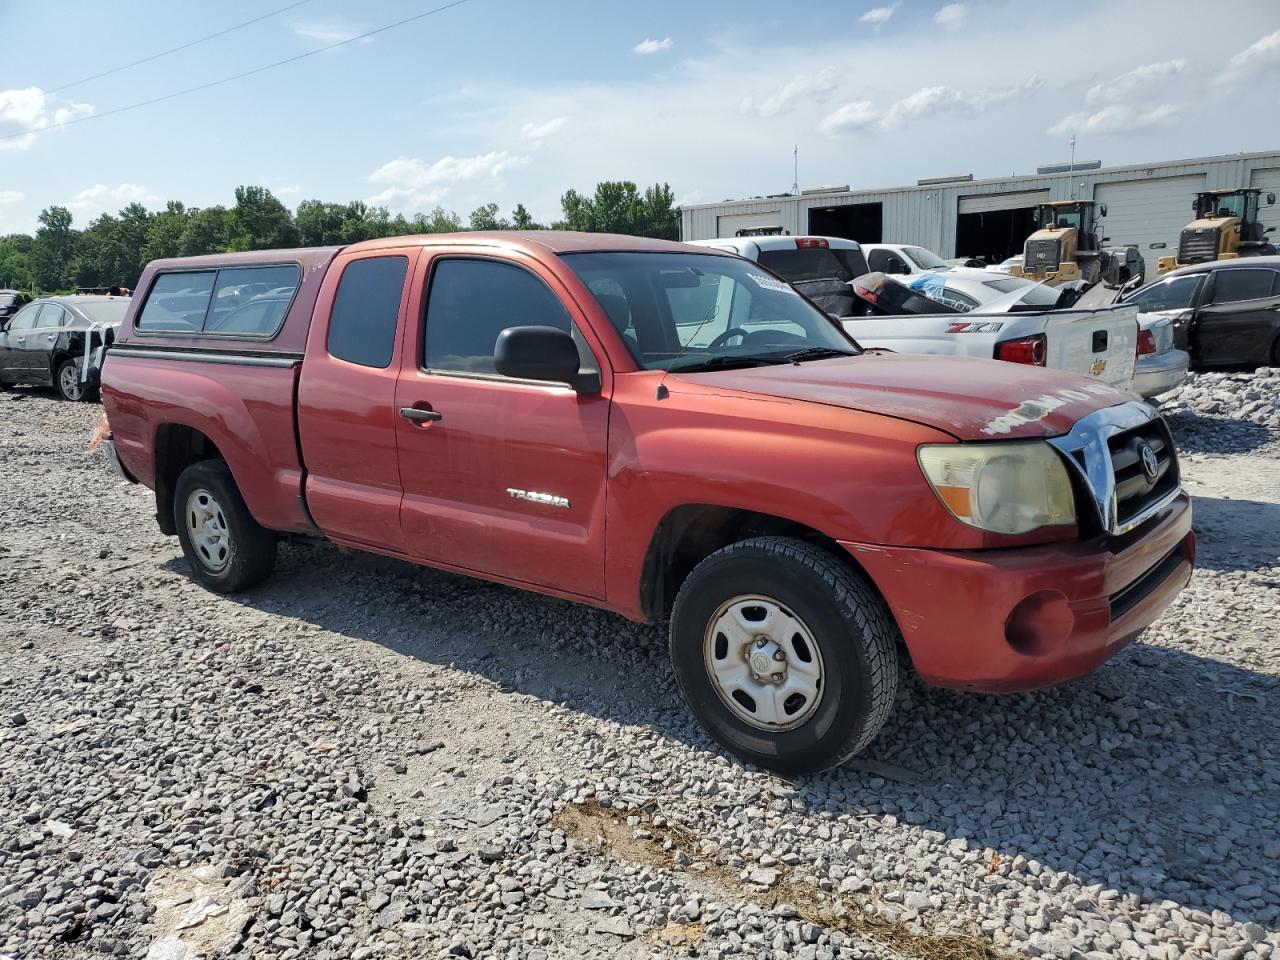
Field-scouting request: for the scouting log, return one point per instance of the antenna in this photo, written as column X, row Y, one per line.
column 795, row 170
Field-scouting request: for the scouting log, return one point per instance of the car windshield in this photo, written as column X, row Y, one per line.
column 815, row 263
column 104, row 311
column 680, row 311
column 924, row 259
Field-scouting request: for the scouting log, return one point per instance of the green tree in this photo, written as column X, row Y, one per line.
column 261, row 222
column 320, row 224
column 617, row 206
column 208, row 230
column 15, row 262
column 486, row 218
column 164, row 238
column 55, row 245
column 522, row 219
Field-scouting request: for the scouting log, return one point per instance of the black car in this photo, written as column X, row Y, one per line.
column 1225, row 313
column 11, row 301
column 59, row 342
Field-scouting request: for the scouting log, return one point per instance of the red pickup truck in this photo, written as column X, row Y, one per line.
column 667, row 432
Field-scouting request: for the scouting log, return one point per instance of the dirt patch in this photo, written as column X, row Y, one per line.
column 634, row 836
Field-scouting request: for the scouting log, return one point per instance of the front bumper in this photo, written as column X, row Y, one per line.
column 1159, row 373
column 1019, row 619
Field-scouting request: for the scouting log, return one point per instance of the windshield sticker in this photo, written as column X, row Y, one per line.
column 771, row 283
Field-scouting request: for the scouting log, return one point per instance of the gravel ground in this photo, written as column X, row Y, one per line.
column 367, row 759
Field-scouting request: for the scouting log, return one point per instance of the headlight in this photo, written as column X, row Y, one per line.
column 1001, row 487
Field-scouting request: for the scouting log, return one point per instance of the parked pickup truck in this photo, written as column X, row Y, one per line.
column 667, row 432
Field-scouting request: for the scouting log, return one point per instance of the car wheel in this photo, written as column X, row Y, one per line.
column 227, row 549
column 786, row 656
column 67, row 380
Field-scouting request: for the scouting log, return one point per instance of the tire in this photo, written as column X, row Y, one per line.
column 66, row 380
column 823, row 608
column 227, row 549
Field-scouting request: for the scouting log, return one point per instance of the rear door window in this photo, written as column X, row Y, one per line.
column 472, row 301
column 1233, row 286
column 252, row 301
column 362, row 327
column 1177, row 293
column 51, row 315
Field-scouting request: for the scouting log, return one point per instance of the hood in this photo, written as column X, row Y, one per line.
column 969, row 399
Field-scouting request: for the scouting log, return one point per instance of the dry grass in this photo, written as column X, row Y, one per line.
column 606, row 829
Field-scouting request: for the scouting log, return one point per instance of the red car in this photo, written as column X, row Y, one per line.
column 667, row 432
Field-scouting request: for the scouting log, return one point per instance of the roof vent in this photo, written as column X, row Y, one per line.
column 1070, row 167
column 934, row 181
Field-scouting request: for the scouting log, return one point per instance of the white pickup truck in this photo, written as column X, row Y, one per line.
column 1012, row 319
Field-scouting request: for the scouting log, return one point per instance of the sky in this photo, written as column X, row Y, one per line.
column 515, row 102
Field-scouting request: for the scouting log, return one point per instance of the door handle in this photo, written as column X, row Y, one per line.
column 419, row 416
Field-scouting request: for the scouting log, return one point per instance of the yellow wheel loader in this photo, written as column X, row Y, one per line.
column 1067, row 247
column 1226, row 226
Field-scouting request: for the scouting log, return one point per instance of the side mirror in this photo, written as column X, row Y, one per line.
column 1271, row 199
column 537, row 353
column 1102, row 210
column 1105, row 239
column 1269, row 230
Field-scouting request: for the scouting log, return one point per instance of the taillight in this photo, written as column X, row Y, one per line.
column 810, row 243
column 1146, row 342
column 1024, row 350
column 869, row 295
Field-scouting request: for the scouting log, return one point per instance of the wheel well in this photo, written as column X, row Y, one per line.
column 55, row 362
column 177, row 447
column 689, row 534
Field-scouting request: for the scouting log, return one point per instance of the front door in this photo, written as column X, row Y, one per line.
column 503, row 477
column 14, row 355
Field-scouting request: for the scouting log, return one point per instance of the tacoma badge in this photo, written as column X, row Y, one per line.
column 533, row 496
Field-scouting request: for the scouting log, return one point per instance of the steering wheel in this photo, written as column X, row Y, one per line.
column 724, row 337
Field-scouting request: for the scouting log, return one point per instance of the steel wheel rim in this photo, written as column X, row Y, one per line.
column 207, row 528
column 764, row 663
column 70, row 383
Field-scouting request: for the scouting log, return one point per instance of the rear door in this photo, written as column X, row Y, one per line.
column 502, row 477
column 40, row 343
column 1240, row 317
column 346, row 397
column 1175, row 298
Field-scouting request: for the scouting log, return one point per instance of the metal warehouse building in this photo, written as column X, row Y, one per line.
column 1147, row 205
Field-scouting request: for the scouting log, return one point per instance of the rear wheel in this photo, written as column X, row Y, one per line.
column 67, row 380
column 785, row 655
column 228, row 550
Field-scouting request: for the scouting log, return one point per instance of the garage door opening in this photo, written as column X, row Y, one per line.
column 993, row 235
column 851, row 221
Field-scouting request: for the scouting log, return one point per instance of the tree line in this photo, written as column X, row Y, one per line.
column 113, row 249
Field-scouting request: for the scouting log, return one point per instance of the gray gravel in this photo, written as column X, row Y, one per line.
column 368, row 760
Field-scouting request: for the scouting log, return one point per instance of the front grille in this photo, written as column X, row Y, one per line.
column 1040, row 255
column 1198, row 246
column 1136, row 488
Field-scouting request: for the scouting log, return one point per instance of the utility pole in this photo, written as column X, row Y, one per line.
column 1072, row 166
column 795, row 171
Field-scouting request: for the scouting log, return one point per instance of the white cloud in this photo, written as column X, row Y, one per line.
column 879, row 15
column 646, row 47
column 24, row 112
column 849, row 116
column 952, row 16
column 1258, row 58
column 102, row 197
column 923, row 102
column 537, row 132
column 1003, row 94
column 12, row 196
column 1137, row 82
column 1115, row 119
column 327, row 33
column 813, row 88
column 413, row 184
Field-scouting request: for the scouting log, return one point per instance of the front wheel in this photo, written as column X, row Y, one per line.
column 67, row 379
column 228, row 550
column 785, row 655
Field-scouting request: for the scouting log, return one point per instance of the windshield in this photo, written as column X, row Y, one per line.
column 924, row 258
column 815, row 263
column 682, row 311
column 104, row 311
column 1059, row 217
column 1228, row 205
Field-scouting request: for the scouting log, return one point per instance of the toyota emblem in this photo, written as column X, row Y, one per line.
column 1150, row 465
